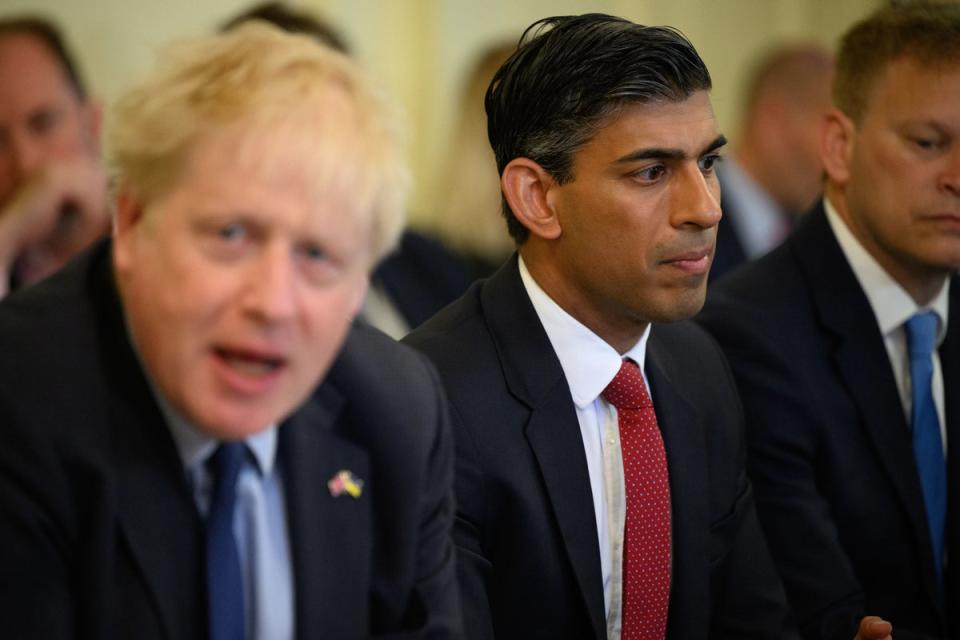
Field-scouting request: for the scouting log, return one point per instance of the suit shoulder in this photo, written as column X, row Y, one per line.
column 688, row 350
column 456, row 332
column 369, row 355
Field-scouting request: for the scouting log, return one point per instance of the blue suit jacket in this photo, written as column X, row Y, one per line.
column 528, row 553
column 99, row 534
column 829, row 447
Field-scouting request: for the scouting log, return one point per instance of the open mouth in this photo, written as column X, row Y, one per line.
column 250, row 364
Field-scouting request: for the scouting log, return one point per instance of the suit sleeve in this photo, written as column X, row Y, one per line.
column 437, row 585
column 473, row 565
column 35, row 595
column 747, row 597
column 782, row 464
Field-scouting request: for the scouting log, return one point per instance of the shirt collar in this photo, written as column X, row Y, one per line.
column 588, row 362
column 891, row 304
column 759, row 220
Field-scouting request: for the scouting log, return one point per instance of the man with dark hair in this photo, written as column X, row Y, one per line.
column 584, row 509
column 52, row 185
column 774, row 173
column 843, row 349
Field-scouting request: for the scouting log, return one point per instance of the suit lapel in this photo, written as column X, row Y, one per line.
column 330, row 535
column 687, row 466
column 535, row 377
column 862, row 363
column 157, row 516
column 950, row 365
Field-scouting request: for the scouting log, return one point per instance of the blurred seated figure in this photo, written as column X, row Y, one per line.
column 420, row 276
column 774, row 173
column 52, row 184
column 198, row 441
column 469, row 217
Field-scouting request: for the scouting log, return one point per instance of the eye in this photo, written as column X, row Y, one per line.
column 43, row 121
column 233, row 232
column 650, row 174
column 314, row 253
column 709, row 162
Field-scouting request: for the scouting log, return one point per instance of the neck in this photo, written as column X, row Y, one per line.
column 614, row 326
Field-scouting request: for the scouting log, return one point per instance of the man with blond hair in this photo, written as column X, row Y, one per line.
column 234, row 460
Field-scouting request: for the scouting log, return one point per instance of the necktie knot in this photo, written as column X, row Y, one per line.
column 921, row 335
column 628, row 390
column 224, row 465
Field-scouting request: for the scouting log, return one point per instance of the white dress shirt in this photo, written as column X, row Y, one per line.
column 760, row 223
column 589, row 365
column 892, row 306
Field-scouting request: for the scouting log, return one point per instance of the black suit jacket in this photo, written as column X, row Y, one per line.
column 830, row 453
column 99, row 535
column 421, row 276
column 528, row 553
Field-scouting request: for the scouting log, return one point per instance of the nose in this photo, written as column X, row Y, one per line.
column 270, row 292
column 697, row 198
column 950, row 177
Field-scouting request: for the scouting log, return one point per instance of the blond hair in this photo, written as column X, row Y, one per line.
column 260, row 81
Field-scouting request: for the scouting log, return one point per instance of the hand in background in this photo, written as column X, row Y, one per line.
column 54, row 215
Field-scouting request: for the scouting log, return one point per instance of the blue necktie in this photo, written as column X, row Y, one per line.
column 927, row 444
column 224, row 575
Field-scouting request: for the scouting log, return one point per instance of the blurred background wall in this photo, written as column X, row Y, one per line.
column 423, row 49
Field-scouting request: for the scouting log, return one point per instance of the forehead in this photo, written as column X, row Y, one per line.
column 233, row 165
column 29, row 71
column 687, row 127
column 909, row 89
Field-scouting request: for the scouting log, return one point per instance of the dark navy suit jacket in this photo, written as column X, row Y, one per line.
column 830, row 453
column 99, row 535
column 526, row 535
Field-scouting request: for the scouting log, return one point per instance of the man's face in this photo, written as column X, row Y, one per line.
column 902, row 174
column 639, row 218
column 41, row 117
column 240, row 282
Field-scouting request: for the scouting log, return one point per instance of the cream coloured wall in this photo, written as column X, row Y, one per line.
column 420, row 48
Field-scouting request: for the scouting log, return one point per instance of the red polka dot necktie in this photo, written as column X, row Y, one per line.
column 646, row 534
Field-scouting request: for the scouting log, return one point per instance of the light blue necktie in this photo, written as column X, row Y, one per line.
column 224, row 575
column 927, row 444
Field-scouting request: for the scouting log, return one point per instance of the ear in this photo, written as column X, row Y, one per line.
column 836, row 146
column 525, row 185
column 129, row 215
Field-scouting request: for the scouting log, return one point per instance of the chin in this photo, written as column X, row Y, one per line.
column 235, row 423
column 683, row 306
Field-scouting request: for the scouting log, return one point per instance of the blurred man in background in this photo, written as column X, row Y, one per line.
column 774, row 173
column 52, row 184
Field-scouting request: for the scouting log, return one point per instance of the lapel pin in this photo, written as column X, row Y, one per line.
column 345, row 482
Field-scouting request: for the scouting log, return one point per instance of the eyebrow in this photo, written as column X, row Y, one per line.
column 663, row 153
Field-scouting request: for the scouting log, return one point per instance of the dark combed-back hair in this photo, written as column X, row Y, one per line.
column 568, row 75
column 45, row 31
column 927, row 32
